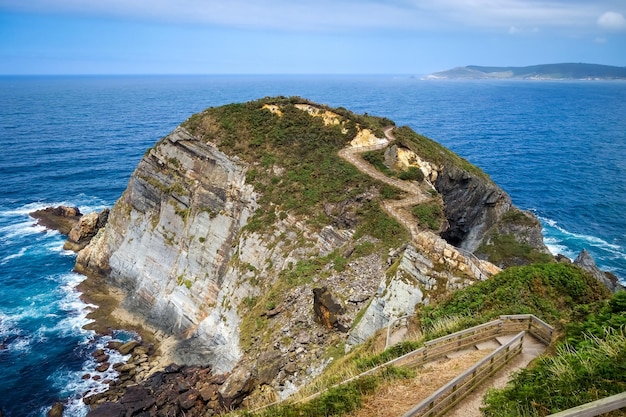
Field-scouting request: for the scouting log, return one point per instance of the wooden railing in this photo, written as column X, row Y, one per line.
column 595, row 408
column 537, row 327
column 446, row 397
column 509, row 324
column 463, row 339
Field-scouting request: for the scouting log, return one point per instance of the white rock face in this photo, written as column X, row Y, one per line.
column 169, row 241
column 427, row 265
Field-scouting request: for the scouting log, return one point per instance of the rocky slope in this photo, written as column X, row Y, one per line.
column 245, row 239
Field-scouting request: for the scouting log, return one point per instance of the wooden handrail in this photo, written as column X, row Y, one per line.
column 595, row 408
column 451, row 393
column 436, row 348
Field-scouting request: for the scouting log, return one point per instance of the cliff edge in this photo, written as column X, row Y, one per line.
column 247, row 239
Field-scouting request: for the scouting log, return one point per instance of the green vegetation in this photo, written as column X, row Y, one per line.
column 395, row 351
column 339, row 400
column 550, row 291
column 594, row 357
column 589, row 365
column 501, row 246
column 412, row 173
column 429, row 214
column 181, row 280
column 302, row 147
column 504, row 249
column 377, row 159
column 380, row 226
column 432, row 151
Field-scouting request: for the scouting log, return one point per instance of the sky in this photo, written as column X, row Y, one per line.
column 304, row 37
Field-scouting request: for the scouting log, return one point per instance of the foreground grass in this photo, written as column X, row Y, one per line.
column 337, row 401
column 588, row 365
column 558, row 293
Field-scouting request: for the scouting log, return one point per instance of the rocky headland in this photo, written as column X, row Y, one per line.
column 258, row 241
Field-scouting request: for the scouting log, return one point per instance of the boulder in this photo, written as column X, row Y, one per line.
column 86, row 228
column 268, row 366
column 586, row 262
column 61, row 218
column 238, row 385
column 56, row 410
column 188, row 399
column 128, row 347
column 108, row 409
column 328, row 309
column 137, row 398
column 103, row 367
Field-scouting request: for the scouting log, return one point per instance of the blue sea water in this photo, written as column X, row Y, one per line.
column 558, row 148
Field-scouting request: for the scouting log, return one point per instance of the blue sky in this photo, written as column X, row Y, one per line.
column 304, row 37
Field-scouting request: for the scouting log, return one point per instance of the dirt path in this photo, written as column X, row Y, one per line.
column 392, row 207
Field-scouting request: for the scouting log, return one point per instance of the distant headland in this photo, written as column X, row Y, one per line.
column 567, row 71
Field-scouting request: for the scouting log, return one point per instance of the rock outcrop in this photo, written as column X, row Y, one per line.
column 472, row 206
column 169, row 241
column 61, row 218
column 86, row 228
column 224, row 242
column 586, row 262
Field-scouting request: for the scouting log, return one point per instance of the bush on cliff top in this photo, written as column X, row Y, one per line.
column 294, row 161
column 551, row 291
column 433, row 152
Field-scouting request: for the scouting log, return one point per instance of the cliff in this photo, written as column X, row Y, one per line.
column 247, row 239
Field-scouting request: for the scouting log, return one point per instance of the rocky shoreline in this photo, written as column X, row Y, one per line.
column 148, row 382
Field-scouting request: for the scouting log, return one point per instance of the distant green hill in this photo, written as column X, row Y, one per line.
column 546, row 71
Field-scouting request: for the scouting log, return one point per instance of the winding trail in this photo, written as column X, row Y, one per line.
column 392, row 207
column 398, row 208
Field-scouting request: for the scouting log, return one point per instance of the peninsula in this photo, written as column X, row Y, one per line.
column 265, row 251
column 565, row 71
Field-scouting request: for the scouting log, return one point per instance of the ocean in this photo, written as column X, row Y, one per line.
column 557, row 147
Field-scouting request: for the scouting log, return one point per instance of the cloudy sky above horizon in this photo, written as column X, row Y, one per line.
column 297, row 37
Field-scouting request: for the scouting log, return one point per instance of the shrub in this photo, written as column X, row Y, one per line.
column 412, row 174
column 429, row 214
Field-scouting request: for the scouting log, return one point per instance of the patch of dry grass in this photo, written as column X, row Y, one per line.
column 397, row 398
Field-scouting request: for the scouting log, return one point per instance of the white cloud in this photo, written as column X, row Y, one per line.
column 612, row 21
column 340, row 15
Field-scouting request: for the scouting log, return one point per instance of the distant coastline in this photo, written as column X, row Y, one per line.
column 565, row 71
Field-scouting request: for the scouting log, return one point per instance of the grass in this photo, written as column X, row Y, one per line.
column 550, row 291
column 337, row 401
column 429, row 214
column 593, row 357
column 303, row 148
column 505, row 249
column 433, row 152
column 589, row 365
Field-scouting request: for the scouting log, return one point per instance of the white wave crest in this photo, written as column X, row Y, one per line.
column 556, row 248
column 17, row 255
column 16, row 230
column 592, row 240
column 73, row 384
